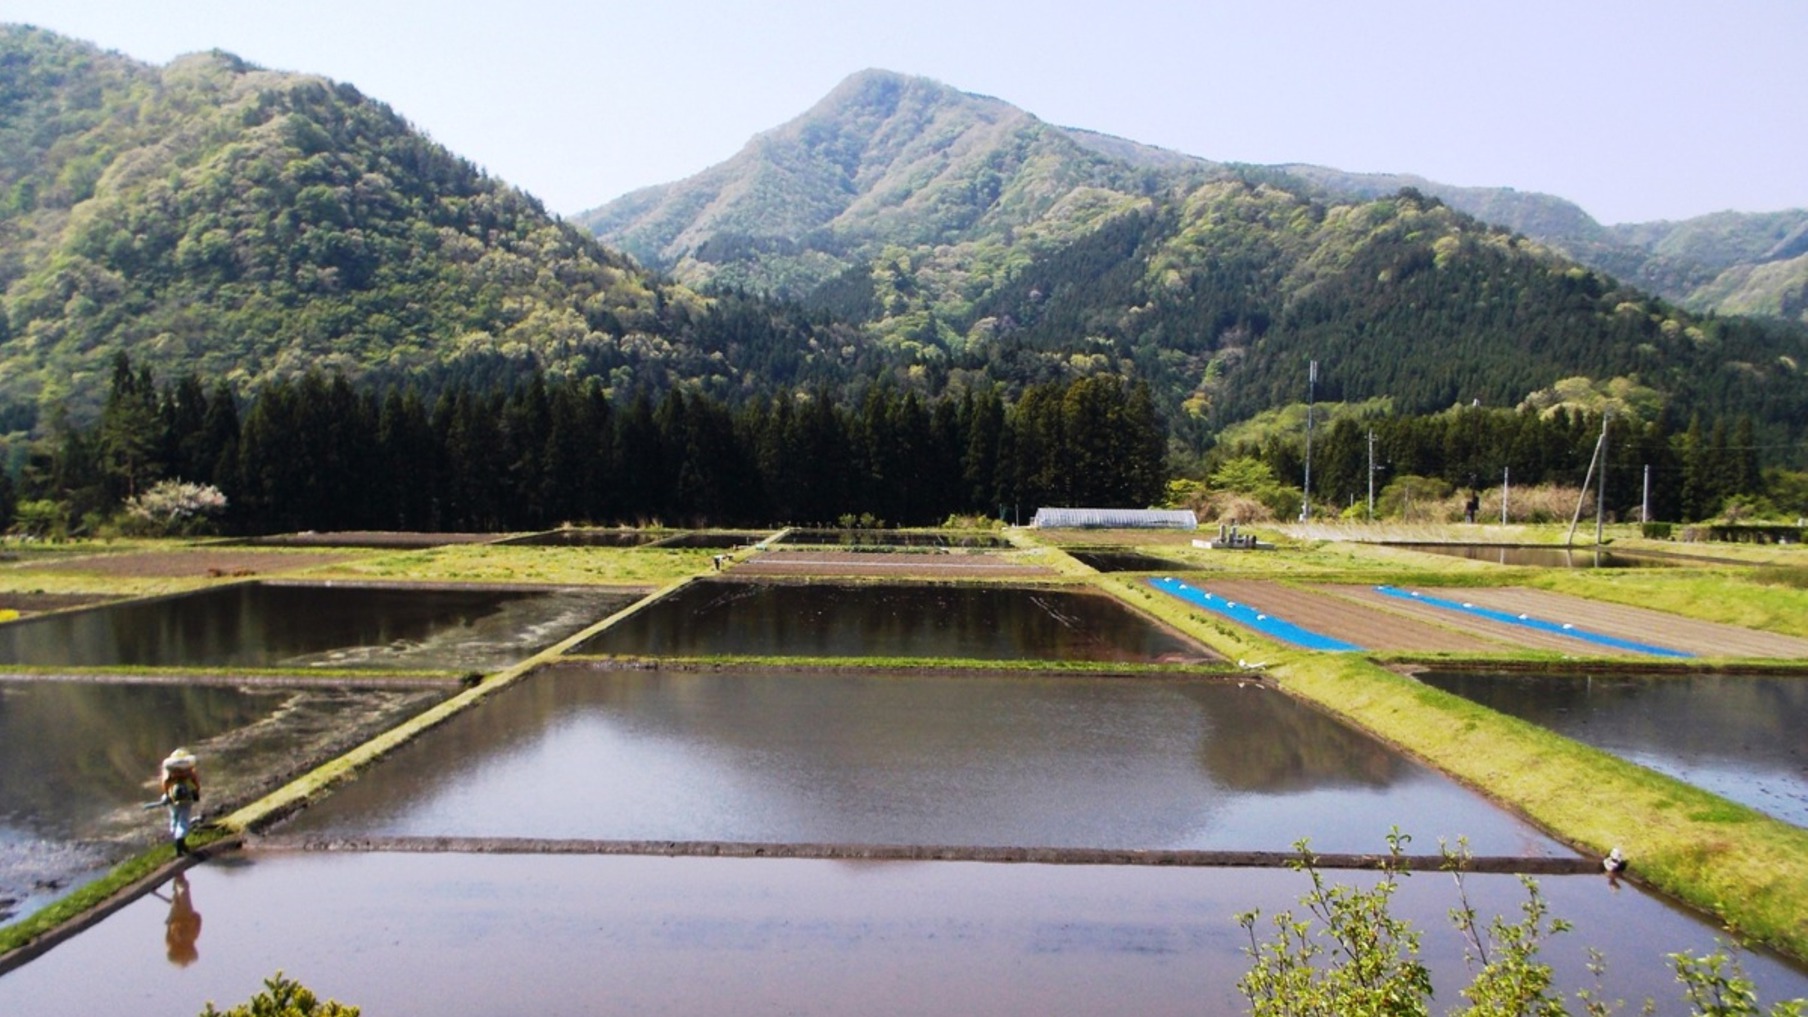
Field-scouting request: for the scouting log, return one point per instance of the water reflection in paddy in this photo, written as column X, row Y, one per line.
column 1739, row 736
column 873, row 758
column 476, row 935
column 1123, row 559
column 262, row 625
column 80, row 757
column 1542, row 557
column 583, row 538
column 983, row 622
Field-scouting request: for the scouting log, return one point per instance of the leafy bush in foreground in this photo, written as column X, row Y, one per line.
column 1349, row 956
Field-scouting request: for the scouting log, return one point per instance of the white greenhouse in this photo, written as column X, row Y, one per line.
column 1114, row 519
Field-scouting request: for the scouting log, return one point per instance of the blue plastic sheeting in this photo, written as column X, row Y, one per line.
column 1243, row 614
column 1559, row 628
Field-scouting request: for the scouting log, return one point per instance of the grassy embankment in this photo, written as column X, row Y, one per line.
column 1747, row 869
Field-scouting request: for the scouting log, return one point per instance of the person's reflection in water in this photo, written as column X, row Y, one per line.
column 183, row 926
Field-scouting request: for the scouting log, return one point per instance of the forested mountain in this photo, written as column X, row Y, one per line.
column 1727, row 262
column 248, row 225
column 884, row 159
column 969, row 236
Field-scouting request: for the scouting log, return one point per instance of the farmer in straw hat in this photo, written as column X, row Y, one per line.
column 181, row 790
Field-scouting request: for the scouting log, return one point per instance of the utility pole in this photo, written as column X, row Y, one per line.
column 1601, row 487
column 1311, row 392
column 1645, row 502
column 1371, row 474
column 1600, row 446
column 1506, row 483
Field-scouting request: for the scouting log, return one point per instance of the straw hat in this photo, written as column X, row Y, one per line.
column 181, row 759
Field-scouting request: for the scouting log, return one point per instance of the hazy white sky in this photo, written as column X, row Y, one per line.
column 1635, row 109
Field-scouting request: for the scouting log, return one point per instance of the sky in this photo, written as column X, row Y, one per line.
column 1636, row 110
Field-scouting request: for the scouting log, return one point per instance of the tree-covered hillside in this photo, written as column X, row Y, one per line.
column 982, row 244
column 1728, row 262
column 210, row 216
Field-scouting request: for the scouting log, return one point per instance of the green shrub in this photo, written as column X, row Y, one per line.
column 284, row 997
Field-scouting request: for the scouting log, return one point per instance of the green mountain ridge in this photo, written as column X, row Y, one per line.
column 979, row 241
column 248, row 225
column 1683, row 261
column 668, row 225
column 253, row 226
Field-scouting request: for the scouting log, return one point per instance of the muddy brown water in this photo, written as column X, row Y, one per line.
column 79, row 758
column 1739, row 736
column 476, row 935
column 831, row 620
column 1022, row 761
column 268, row 625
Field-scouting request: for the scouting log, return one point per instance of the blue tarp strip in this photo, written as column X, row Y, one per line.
column 1243, row 614
column 1558, row 628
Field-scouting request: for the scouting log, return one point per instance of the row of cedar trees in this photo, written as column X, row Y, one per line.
column 317, row 454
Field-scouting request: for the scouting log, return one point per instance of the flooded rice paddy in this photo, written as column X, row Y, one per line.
column 824, row 620
column 764, row 756
column 880, row 758
column 476, row 935
column 584, row 538
column 1123, row 559
column 1739, row 736
column 266, row 625
column 707, row 541
column 81, row 757
column 1544, row 556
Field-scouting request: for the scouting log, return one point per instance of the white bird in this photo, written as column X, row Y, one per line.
column 1615, row 862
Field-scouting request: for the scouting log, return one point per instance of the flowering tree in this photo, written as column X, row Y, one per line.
column 172, row 507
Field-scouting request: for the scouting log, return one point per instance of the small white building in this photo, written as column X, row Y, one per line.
column 1114, row 519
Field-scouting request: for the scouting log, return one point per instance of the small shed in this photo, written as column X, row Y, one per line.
column 1114, row 519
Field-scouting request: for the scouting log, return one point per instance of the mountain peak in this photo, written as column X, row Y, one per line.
column 885, row 157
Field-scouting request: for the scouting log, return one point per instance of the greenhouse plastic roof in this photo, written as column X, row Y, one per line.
column 1108, row 518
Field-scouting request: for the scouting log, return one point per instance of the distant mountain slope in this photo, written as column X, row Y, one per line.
column 977, row 241
column 1718, row 262
column 246, row 224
